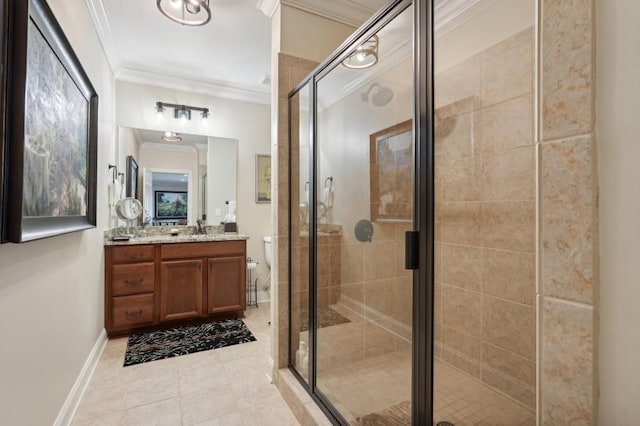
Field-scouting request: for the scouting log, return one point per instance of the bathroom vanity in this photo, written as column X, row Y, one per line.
column 159, row 280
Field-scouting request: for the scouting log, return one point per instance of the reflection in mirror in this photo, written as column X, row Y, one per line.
column 201, row 170
column 167, row 192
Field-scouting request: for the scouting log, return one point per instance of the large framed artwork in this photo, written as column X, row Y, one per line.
column 3, row 91
column 263, row 178
column 132, row 177
column 170, row 205
column 391, row 165
column 52, row 118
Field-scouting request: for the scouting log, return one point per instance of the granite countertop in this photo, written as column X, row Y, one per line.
column 180, row 238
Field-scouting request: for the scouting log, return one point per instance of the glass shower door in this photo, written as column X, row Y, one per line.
column 484, row 158
column 364, row 186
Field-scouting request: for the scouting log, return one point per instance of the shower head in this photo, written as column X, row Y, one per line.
column 380, row 95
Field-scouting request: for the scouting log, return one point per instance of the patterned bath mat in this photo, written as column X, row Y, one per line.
column 326, row 318
column 396, row 415
column 178, row 341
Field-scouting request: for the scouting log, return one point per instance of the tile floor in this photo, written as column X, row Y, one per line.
column 226, row 386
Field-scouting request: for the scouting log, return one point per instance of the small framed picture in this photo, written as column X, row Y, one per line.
column 391, row 173
column 263, row 178
column 132, row 177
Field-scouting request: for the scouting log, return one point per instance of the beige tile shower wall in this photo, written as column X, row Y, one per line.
column 485, row 217
column 290, row 72
column 568, row 214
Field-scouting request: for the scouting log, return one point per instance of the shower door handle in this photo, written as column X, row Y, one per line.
column 411, row 254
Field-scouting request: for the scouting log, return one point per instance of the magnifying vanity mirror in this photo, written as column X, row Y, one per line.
column 180, row 182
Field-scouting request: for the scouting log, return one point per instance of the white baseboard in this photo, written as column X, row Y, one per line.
column 270, row 372
column 264, row 297
column 70, row 405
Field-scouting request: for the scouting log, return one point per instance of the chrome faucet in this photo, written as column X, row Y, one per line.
column 200, row 230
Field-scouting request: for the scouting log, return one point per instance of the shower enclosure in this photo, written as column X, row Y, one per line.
column 412, row 219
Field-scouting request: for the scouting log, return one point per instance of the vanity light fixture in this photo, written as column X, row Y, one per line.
column 159, row 111
column 181, row 112
column 171, row 137
column 186, row 12
column 365, row 55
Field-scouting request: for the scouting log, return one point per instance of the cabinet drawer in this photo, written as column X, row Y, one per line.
column 216, row 248
column 132, row 279
column 127, row 254
column 133, row 310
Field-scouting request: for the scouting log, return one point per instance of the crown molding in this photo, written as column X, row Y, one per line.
column 344, row 11
column 211, row 88
column 103, row 29
column 453, row 13
column 268, row 7
column 128, row 73
column 450, row 13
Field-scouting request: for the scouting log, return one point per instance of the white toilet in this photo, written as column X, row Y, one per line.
column 267, row 251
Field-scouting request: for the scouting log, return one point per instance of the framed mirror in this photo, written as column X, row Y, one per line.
column 202, row 167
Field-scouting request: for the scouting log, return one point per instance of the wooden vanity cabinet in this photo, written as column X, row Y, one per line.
column 226, row 289
column 159, row 283
column 222, row 285
column 180, row 289
column 130, row 287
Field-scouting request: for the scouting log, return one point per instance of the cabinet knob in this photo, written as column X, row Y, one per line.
column 134, row 283
column 133, row 256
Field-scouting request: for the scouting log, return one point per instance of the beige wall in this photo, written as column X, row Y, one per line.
column 51, row 291
column 246, row 122
column 618, row 94
column 485, row 216
column 503, row 17
column 310, row 36
column 299, row 40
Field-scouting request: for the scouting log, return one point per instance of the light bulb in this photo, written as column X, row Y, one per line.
column 361, row 57
column 176, row 4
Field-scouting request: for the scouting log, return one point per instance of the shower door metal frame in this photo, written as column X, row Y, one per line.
column 424, row 217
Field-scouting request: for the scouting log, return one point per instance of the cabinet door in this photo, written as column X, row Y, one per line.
column 226, row 287
column 180, row 289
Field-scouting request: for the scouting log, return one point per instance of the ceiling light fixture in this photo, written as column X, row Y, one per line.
column 186, row 12
column 181, row 112
column 171, row 137
column 365, row 55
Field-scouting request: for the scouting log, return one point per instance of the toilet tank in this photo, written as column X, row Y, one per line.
column 267, row 250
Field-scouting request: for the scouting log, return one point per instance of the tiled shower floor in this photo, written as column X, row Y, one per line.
column 374, row 384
